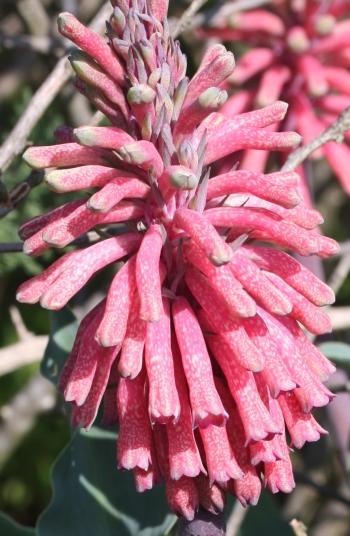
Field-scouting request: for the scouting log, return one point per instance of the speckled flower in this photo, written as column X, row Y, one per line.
column 198, row 348
column 298, row 50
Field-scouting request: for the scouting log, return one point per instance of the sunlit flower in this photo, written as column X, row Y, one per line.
column 298, row 50
column 197, row 349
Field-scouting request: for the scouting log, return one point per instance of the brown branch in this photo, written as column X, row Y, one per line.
column 186, row 19
column 340, row 273
column 236, row 519
column 20, row 414
column 298, row 527
column 222, row 9
column 20, row 354
column 335, row 132
column 40, row 43
column 42, row 98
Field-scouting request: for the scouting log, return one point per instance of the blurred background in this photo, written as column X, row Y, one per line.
column 34, row 428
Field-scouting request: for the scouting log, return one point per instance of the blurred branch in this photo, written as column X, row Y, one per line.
column 340, row 273
column 298, row 527
column 326, row 491
column 185, row 22
column 220, row 8
column 42, row 98
column 29, row 349
column 340, row 317
column 236, row 519
column 20, row 413
column 20, row 192
column 39, row 43
column 22, row 353
column 335, row 132
column 35, row 16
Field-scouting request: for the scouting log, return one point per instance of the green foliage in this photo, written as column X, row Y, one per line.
column 339, row 352
column 10, row 528
column 63, row 329
column 265, row 518
column 92, row 497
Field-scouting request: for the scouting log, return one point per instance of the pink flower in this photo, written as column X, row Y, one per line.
column 299, row 51
column 198, row 348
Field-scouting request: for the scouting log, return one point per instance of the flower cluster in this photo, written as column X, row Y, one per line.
column 197, row 350
column 299, row 50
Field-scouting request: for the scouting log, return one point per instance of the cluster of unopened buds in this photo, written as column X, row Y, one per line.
column 198, row 350
column 298, row 50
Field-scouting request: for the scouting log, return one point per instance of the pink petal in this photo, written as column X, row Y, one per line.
column 164, row 403
column 148, row 276
column 205, row 401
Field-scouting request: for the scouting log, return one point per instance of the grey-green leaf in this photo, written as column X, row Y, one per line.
column 8, row 527
column 63, row 329
column 91, row 497
column 339, row 352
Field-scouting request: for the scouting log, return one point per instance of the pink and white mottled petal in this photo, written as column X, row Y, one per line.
column 92, row 43
column 293, row 273
column 257, row 421
column 264, row 226
column 84, row 265
column 184, row 457
column 278, row 475
column 203, row 234
column 145, row 480
column 116, row 190
column 312, row 317
column 63, row 232
column 220, row 321
column 86, row 355
column 81, row 177
column 148, row 277
column 182, row 497
column 220, row 460
column 63, row 155
column 302, row 426
column 134, row 444
column 109, row 416
column 112, row 329
column 131, row 358
column 206, row 405
column 310, row 391
column 275, row 373
column 85, row 415
column 211, row 497
column 280, row 188
column 258, row 286
column 164, row 403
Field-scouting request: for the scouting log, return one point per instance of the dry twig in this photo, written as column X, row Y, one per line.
column 298, row 527
column 42, row 98
column 20, row 414
column 335, row 132
column 185, row 22
column 236, row 519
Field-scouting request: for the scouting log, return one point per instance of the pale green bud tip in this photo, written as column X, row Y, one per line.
column 65, row 22
column 85, row 136
column 325, row 24
column 212, row 97
column 132, row 153
column 51, row 178
column 141, row 94
column 30, row 157
column 183, row 180
column 221, row 256
column 298, row 42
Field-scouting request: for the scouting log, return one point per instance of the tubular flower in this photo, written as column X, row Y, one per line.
column 198, row 349
column 298, row 51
